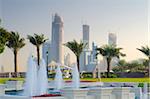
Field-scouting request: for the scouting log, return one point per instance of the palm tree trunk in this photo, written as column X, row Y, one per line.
column 38, row 55
column 78, row 64
column 108, row 67
column 15, row 62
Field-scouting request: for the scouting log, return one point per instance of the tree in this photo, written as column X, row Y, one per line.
column 121, row 66
column 37, row 40
column 109, row 51
column 77, row 49
column 145, row 50
column 4, row 36
column 15, row 43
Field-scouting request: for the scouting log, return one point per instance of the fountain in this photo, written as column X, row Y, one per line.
column 42, row 79
column 30, row 88
column 75, row 77
column 36, row 82
column 58, row 82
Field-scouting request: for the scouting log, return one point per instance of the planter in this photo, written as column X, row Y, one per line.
column 14, row 85
column 75, row 93
column 2, row 89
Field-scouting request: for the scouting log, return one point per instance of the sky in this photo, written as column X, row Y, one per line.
column 128, row 19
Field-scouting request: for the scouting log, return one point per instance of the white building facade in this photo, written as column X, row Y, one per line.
column 86, row 35
column 87, row 57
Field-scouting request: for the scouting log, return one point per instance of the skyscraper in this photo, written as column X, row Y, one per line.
column 86, row 35
column 57, row 39
column 86, row 51
column 112, row 39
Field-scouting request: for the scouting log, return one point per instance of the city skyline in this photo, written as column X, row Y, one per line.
column 127, row 19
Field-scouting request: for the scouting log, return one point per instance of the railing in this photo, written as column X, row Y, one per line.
column 12, row 75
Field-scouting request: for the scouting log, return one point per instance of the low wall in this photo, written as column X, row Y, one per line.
column 25, row 97
column 131, row 75
column 12, row 75
column 90, row 93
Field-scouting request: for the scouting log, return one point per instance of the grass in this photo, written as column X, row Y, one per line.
column 3, row 80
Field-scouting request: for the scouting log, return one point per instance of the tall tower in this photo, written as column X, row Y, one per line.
column 84, row 55
column 112, row 39
column 57, row 38
column 86, row 35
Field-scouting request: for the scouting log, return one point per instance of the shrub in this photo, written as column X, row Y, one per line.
column 87, row 75
column 112, row 75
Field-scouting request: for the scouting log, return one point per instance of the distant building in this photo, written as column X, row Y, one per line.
column 86, row 35
column 88, row 57
column 57, row 39
column 112, row 39
column 86, row 52
column 46, row 51
column 91, row 66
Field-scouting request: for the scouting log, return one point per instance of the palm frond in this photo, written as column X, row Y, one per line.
column 110, row 51
column 36, row 39
column 75, row 47
column 15, row 42
column 145, row 50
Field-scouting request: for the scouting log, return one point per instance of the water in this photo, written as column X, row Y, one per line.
column 31, row 78
column 20, row 92
column 58, row 82
column 75, row 77
column 145, row 91
column 36, row 82
column 42, row 79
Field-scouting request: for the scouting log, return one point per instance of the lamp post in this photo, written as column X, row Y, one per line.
column 47, row 62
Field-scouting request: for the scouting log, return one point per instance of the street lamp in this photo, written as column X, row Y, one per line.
column 47, row 62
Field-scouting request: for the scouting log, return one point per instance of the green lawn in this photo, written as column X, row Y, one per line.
column 2, row 80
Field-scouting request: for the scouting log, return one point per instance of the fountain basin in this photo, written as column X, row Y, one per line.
column 83, row 93
column 70, row 93
column 14, row 85
column 2, row 89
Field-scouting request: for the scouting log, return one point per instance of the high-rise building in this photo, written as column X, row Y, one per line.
column 112, row 39
column 86, row 31
column 84, row 55
column 57, row 39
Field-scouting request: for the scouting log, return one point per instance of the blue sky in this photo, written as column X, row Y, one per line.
column 127, row 18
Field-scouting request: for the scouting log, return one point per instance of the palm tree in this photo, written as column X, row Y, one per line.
column 4, row 36
column 77, row 49
column 145, row 50
column 109, row 51
column 15, row 43
column 37, row 40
